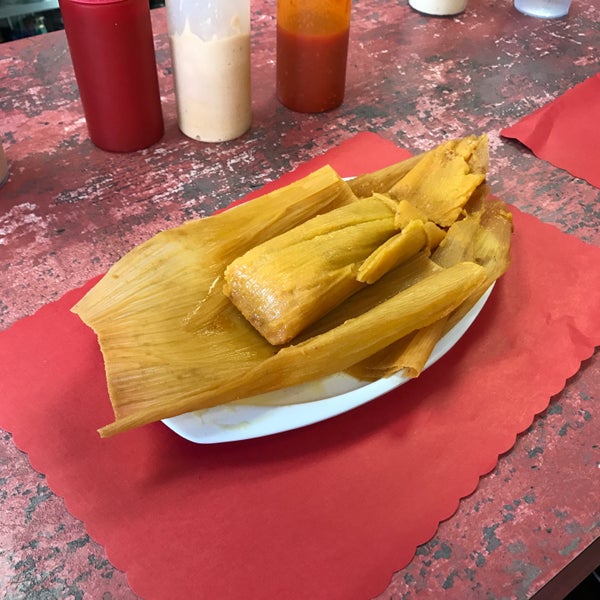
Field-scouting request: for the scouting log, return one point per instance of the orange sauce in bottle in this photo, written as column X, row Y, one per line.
column 312, row 48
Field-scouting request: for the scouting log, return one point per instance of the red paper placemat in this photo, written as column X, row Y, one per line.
column 290, row 515
column 566, row 131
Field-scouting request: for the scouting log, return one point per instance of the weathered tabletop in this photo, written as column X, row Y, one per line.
column 70, row 210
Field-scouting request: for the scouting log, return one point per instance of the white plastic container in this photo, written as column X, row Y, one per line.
column 210, row 50
column 439, row 8
column 545, row 9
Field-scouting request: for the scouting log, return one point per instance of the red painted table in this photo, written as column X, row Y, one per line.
column 70, row 210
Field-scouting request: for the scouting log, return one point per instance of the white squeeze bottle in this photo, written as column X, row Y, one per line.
column 210, row 51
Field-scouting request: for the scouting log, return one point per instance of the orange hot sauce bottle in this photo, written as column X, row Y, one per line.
column 312, row 50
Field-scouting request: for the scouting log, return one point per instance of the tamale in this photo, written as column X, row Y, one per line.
column 398, row 279
column 333, row 351
column 482, row 237
column 337, row 349
column 406, row 212
column 442, row 182
column 173, row 342
column 265, row 217
column 288, row 282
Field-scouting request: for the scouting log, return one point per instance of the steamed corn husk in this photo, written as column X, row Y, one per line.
column 394, row 251
column 173, row 341
column 397, row 280
column 442, row 182
column 156, row 345
column 334, row 350
column 339, row 348
column 408, row 355
column 283, row 285
column 382, row 180
column 483, row 237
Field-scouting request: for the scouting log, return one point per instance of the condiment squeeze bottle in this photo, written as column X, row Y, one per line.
column 312, row 50
column 210, row 48
column 112, row 51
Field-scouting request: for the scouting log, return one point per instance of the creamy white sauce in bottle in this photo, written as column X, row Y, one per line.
column 210, row 50
column 439, row 7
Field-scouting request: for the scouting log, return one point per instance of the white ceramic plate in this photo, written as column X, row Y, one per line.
column 300, row 405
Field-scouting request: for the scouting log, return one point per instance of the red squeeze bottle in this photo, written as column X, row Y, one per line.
column 112, row 50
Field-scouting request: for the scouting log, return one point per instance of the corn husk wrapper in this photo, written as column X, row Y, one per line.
column 483, row 237
column 173, row 342
column 382, row 180
column 394, row 251
column 283, row 285
column 145, row 308
column 459, row 167
column 335, row 350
